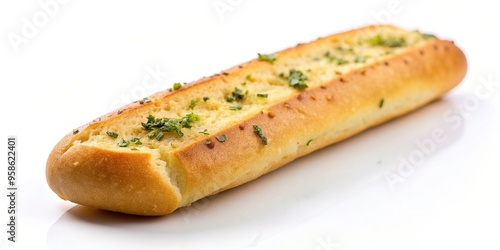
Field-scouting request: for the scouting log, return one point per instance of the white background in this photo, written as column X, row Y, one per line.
column 86, row 58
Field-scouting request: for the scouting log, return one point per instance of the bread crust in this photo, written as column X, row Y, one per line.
column 110, row 180
column 306, row 121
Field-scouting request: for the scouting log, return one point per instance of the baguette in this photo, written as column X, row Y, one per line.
column 175, row 147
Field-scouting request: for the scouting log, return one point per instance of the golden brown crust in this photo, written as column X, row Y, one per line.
column 308, row 120
column 111, row 180
column 313, row 117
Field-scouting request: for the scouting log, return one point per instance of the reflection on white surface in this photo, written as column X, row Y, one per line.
column 282, row 201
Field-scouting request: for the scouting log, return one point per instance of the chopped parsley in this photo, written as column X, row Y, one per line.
column 205, row 132
column 192, row 104
column 296, row 79
column 381, row 103
column 268, row 57
column 426, row 35
column 338, row 60
column 125, row 143
column 340, row 48
column 262, row 95
column 206, row 98
column 177, row 85
column 391, row 41
column 157, row 126
column 158, row 136
column 136, row 140
column 258, row 132
column 221, row 138
column 112, row 134
column 234, row 108
column 237, row 94
column 309, row 142
column 360, row 59
column 341, row 61
column 329, row 56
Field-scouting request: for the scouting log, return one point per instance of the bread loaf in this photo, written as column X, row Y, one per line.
column 177, row 146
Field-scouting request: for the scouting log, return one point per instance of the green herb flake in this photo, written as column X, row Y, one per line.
column 296, row 79
column 177, row 85
column 264, row 140
column 157, row 126
column 221, row 138
column 381, row 103
column 134, row 149
column 112, row 134
column 390, row 41
column 260, row 134
column 360, row 59
column 159, row 136
column 329, row 56
column 268, row 57
column 309, row 142
column 192, row 104
column 206, row 98
column 234, row 108
column 262, row 95
column 238, row 94
column 123, row 143
column 243, row 83
column 426, row 36
column 136, row 140
column 341, row 61
column 186, row 121
column 205, row 132
column 338, row 60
